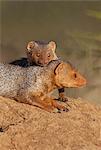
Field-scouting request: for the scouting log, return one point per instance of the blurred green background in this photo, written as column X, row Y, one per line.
column 74, row 25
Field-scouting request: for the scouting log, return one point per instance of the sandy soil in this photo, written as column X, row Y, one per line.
column 25, row 127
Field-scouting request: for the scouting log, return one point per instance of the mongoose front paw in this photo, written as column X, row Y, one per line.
column 57, row 110
column 60, row 106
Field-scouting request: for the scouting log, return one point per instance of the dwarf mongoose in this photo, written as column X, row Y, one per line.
column 32, row 84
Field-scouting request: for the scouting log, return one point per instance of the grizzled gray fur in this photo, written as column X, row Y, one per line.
column 29, row 85
column 18, row 82
column 32, row 84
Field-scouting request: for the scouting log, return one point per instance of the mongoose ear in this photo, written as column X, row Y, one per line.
column 59, row 68
column 52, row 45
column 31, row 45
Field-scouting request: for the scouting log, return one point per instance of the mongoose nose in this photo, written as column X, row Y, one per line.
column 46, row 61
column 83, row 82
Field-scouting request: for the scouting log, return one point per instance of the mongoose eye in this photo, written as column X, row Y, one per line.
column 38, row 55
column 75, row 75
column 49, row 55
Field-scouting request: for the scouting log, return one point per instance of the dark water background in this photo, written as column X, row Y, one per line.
column 75, row 26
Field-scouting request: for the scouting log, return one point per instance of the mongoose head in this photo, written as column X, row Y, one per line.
column 67, row 76
column 41, row 53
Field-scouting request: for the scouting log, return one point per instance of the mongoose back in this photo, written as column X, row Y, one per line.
column 32, row 84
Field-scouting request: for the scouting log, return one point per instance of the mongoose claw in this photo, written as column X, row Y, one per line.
column 66, row 110
column 68, row 105
column 56, row 110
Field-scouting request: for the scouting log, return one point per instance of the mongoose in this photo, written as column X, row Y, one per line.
column 32, row 84
column 40, row 53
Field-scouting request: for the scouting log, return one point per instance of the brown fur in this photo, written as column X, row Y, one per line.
column 41, row 53
column 32, row 84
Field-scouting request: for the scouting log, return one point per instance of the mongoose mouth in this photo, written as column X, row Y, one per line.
column 77, row 84
column 42, row 65
column 81, row 83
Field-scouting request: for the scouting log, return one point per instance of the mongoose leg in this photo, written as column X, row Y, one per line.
column 48, row 104
column 62, row 97
column 43, row 104
column 60, row 106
